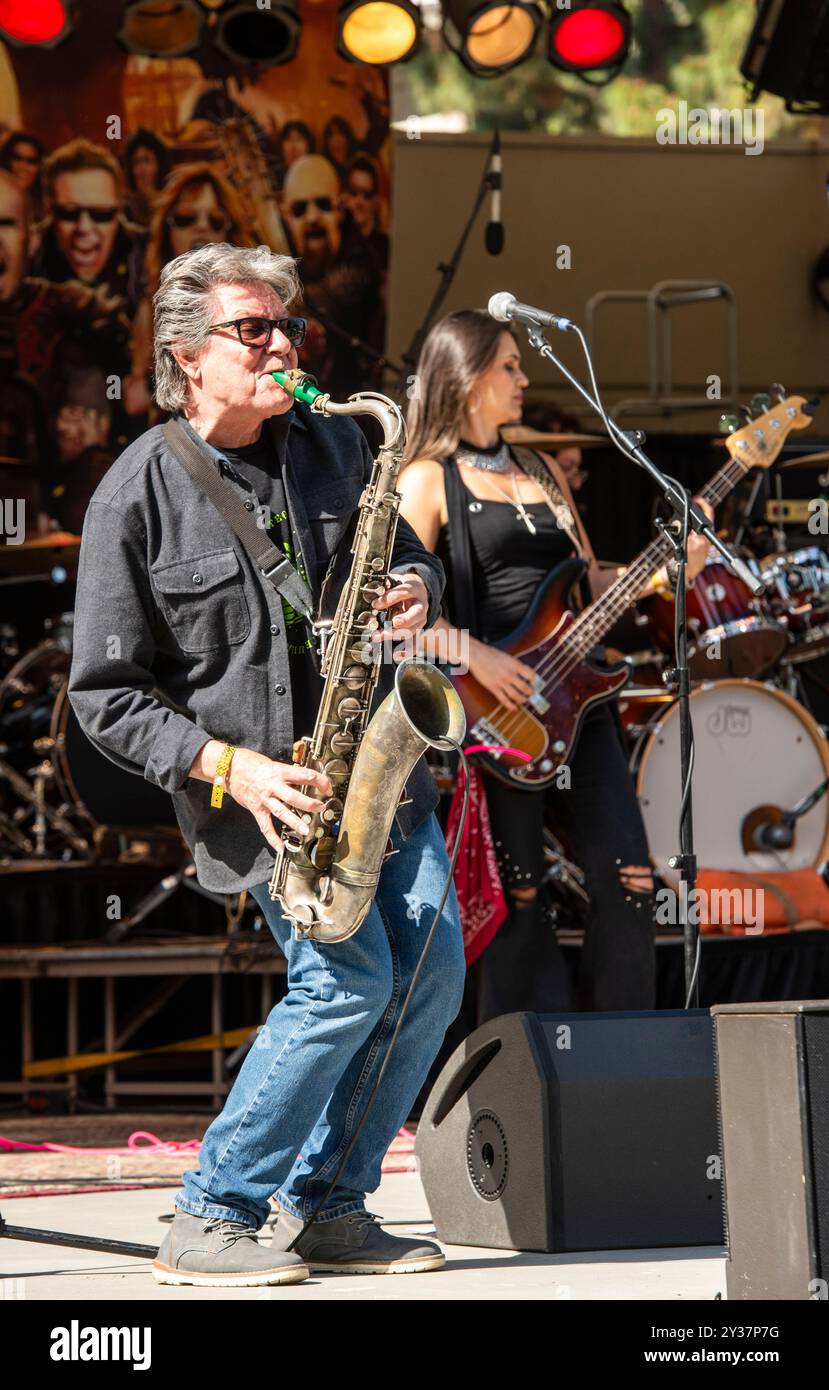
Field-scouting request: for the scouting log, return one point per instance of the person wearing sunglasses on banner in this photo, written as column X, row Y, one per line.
column 195, row 208
column 341, row 284
column 85, row 236
column 216, row 675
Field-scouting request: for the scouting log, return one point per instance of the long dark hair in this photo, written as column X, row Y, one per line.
column 455, row 352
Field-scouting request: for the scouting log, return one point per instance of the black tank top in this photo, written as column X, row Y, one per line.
column 508, row 562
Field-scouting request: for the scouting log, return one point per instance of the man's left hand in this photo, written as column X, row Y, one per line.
column 407, row 604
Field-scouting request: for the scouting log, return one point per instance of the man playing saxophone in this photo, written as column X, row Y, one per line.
column 191, row 670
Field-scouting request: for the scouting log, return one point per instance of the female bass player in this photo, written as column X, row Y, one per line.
column 494, row 528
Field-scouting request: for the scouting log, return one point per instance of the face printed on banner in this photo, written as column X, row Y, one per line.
column 235, row 378
column 196, row 219
column 85, row 213
column 359, row 199
column 499, row 391
column 294, row 145
column 145, row 169
column 12, row 240
column 311, row 210
column 25, row 164
column 78, row 428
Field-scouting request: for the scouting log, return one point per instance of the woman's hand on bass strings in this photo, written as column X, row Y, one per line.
column 268, row 788
column 503, row 675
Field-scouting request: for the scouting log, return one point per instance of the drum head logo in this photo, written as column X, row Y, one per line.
column 729, row 721
column 716, row 592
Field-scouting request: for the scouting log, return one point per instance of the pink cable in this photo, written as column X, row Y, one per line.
column 403, row 1151
column 496, row 748
column 163, row 1146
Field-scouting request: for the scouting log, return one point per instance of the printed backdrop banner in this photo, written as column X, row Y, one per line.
column 112, row 164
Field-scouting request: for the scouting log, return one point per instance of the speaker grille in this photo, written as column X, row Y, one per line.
column 816, row 1050
column 486, row 1155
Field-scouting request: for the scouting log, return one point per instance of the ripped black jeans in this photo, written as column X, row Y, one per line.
column 598, row 817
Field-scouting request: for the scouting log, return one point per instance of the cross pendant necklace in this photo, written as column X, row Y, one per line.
column 521, row 513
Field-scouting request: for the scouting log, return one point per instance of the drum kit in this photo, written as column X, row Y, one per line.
column 60, row 799
column 759, row 749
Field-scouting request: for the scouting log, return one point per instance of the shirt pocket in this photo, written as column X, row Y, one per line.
column 203, row 600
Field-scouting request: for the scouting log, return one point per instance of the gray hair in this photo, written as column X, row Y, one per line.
column 183, row 304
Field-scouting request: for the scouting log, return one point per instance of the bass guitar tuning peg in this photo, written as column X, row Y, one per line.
column 759, row 404
column 777, row 392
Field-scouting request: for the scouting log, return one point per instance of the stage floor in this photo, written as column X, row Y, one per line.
column 53, row 1272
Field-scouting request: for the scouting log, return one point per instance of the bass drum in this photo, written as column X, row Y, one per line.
column 756, row 752
column 38, row 723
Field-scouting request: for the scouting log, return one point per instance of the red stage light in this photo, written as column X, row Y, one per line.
column 32, row 21
column 595, row 36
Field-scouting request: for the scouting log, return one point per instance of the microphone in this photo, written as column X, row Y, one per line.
column 494, row 234
column 774, row 834
column 506, row 309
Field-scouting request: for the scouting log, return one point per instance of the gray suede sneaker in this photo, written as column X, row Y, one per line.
column 357, row 1244
column 217, row 1252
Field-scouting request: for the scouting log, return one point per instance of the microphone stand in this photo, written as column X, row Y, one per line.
column 447, row 271
column 687, row 516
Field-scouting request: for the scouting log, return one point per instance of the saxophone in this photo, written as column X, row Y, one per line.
column 325, row 879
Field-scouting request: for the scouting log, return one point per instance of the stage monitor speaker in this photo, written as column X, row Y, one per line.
column 773, row 1079
column 562, row 1132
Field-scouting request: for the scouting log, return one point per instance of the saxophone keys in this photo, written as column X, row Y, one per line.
column 353, row 677
column 342, row 741
column 333, row 811
column 349, row 708
column 336, row 769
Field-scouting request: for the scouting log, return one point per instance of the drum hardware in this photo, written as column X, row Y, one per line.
column 768, row 827
column 807, row 460
column 10, row 832
column 46, row 816
column 183, row 878
column 755, row 747
column 73, row 788
column 732, row 633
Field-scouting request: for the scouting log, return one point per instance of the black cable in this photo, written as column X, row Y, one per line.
column 449, row 743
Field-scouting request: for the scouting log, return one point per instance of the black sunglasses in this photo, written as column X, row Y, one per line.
column 256, row 332
column 300, row 206
column 216, row 221
column 66, row 214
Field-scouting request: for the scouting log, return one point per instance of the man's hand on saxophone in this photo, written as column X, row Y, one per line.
column 409, row 598
column 265, row 787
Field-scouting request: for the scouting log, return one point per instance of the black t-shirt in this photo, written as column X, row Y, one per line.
column 262, row 468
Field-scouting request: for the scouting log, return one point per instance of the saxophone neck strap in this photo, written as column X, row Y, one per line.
column 271, row 563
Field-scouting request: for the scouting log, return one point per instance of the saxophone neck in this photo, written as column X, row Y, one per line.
column 389, row 415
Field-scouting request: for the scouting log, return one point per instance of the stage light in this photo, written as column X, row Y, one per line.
column 591, row 41
column 268, row 37
column 378, row 31
column 161, row 28
column 788, row 54
column 42, row 22
column 490, row 37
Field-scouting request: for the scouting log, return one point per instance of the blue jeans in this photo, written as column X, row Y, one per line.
column 304, row 1083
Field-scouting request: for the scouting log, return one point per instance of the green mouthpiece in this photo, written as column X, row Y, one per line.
column 301, row 387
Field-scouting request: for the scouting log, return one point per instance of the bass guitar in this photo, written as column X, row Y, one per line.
column 556, row 642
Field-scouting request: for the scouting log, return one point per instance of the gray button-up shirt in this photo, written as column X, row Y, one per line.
column 179, row 639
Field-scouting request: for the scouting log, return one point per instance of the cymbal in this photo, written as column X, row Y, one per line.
column 807, row 461
column 522, row 434
column 58, row 547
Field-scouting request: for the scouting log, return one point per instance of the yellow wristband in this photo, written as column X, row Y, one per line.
column 222, row 766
